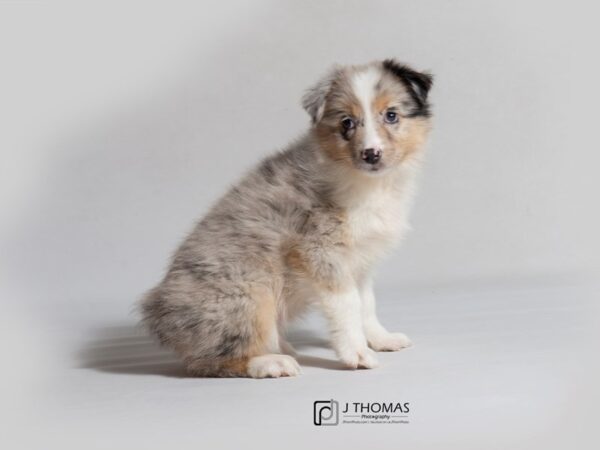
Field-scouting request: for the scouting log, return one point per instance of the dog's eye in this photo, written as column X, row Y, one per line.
column 391, row 117
column 347, row 123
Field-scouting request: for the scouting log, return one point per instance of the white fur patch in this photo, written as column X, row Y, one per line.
column 363, row 86
column 273, row 366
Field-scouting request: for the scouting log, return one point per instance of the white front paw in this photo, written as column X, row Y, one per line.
column 388, row 342
column 362, row 357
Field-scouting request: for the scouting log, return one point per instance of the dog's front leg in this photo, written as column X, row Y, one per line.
column 343, row 312
column 320, row 258
column 378, row 337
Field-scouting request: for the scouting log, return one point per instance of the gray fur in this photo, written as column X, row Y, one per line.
column 203, row 307
column 314, row 98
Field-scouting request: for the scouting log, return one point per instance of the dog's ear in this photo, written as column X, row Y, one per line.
column 417, row 83
column 315, row 97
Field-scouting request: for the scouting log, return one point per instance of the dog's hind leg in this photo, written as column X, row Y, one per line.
column 220, row 330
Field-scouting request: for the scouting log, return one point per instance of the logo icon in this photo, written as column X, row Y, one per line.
column 326, row 412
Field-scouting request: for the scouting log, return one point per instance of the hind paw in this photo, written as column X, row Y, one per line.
column 273, row 366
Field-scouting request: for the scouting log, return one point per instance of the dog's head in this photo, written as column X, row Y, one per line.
column 373, row 117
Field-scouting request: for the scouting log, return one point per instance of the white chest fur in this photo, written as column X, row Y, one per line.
column 377, row 218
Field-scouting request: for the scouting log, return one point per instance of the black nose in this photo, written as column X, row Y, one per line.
column 371, row 155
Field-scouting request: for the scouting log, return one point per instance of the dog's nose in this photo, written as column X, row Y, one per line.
column 371, row 155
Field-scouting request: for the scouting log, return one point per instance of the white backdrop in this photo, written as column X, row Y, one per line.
column 121, row 123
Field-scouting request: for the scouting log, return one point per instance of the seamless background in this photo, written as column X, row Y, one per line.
column 122, row 122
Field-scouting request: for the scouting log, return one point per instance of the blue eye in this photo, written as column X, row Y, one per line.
column 347, row 123
column 391, row 117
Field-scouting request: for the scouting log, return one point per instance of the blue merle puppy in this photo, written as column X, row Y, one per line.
column 304, row 228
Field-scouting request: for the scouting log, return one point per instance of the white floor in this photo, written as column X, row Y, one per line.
column 490, row 368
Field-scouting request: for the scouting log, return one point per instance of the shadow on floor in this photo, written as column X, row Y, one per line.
column 128, row 349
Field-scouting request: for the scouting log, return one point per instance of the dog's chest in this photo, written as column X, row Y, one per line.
column 376, row 223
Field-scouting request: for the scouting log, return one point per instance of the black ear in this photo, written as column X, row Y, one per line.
column 418, row 85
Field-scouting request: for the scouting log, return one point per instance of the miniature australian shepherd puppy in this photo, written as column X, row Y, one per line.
column 304, row 228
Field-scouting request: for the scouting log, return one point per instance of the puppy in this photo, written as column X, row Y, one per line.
column 304, row 228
